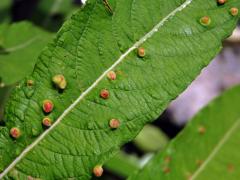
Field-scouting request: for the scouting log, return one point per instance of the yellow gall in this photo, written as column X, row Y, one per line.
column 30, row 83
column 234, row 11
column 59, row 81
column 205, row 20
column 47, row 122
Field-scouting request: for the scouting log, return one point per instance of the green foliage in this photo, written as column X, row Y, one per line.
column 151, row 139
column 123, row 164
column 89, row 45
column 19, row 47
column 206, row 149
column 4, row 94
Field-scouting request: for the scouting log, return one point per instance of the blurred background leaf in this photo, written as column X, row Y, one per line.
column 21, row 44
column 151, row 139
column 5, row 11
column 205, row 149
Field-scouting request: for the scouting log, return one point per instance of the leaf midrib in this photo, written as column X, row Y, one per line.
column 121, row 58
column 20, row 46
column 217, row 148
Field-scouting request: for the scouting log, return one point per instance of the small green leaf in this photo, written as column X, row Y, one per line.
column 123, row 164
column 151, row 139
column 207, row 148
column 20, row 45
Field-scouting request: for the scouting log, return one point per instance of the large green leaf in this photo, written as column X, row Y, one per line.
column 19, row 48
column 88, row 46
column 207, row 148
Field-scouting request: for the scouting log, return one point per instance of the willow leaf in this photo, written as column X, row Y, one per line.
column 206, row 149
column 89, row 45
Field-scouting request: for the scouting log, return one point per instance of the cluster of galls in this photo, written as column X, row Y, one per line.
column 105, row 94
column 47, row 106
column 60, row 83
column 206, row 20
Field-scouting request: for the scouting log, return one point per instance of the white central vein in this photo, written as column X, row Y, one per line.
column 214, row 152
column 103, row 75
column 21, row 46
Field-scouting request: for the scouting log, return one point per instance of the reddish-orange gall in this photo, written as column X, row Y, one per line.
column 59, row 81
column 141, row 52
column 15, row 132
column 166, row 170
column 205, row 20
column 47, row 106
column 104, row 94
column 201, row 129
column 230, row 168
column 47, row 122
column 114, row 123
column 111, row 75
column 98, row 171
column 167, row 159
column 189, row 176
column 221, row 1
column 234, row 11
